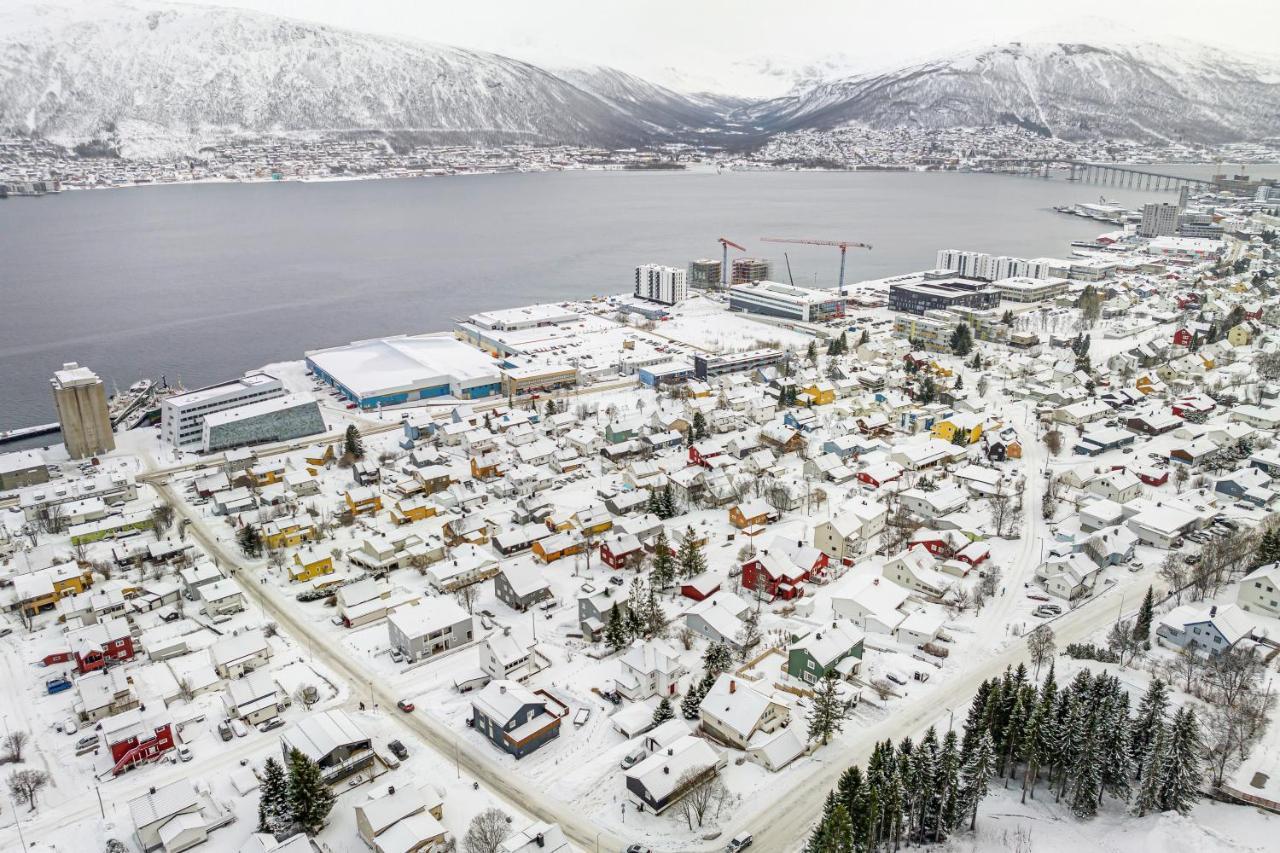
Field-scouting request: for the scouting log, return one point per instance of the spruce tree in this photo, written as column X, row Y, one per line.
column 668, row 503
column 1146, row 613
column 654, row 505
column 1148, row 799
column 664, row 564
column 693, row 698
column 1180, row 771
column 718, row 658
column 273, row 798
column 353, row 443
column 829, row 708
column 663, row 712
column 949, row 786
column 1087, row 775
column 1148, row 723
column 1117, row 761
column 975, row 777
column 310, row 798
column 691, row 559
column 615, row 632
column 699, row 426
column 1031, row 750
column 249, row 540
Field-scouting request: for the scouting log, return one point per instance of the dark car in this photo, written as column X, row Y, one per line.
column 398, row 750
column 172, row 616
column 405, row 705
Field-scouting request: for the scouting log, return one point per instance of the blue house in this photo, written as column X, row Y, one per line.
column 514, row 718
column 1247, row 484
column 1210, row 631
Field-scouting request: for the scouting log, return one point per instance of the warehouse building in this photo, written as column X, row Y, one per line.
column 401, row 369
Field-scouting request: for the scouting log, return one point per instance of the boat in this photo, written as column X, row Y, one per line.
column 122, row 405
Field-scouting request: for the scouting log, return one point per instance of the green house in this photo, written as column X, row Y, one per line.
column 810, row 657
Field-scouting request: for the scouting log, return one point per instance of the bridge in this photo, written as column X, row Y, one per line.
column 1118, row 175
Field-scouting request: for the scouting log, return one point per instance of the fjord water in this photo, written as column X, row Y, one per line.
column 201, row 282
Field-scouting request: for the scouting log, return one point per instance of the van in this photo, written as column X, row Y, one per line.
column 741, row 841
column 634, row 757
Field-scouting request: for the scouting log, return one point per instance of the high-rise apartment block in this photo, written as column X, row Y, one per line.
column 747, row 270
column 661, row 284
column 1159, row 219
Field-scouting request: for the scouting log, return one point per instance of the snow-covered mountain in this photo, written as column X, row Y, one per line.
column 1140, row 91
column 155, row 76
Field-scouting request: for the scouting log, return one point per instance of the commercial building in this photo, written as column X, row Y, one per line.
column 661, row 284
column 22, row 468
column 1159, row 219
column 81, row 401
column 182, row 416
column 1199, row 225
column 276, row 419
column 736, row 362
column 747, row 270
column 1185, row 247
column 922, row 296
column 704, row 273
column 390, row 371
column 1026, row 289
column 775, row 299
column 518, row 379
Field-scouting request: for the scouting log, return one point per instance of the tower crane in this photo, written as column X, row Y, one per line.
column 843, row 245
column 725, row 243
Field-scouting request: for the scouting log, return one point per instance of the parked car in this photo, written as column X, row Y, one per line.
column 398, row 750
column 224, row 730
column 741, row 841
column 184, row 754
column 638, row 848
column 171, row 616
column 895, row 677
column 70, row 727
column 239, row 728
column 271, row 725
column 405, row 705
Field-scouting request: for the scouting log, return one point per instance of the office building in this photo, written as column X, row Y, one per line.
column 705, row 274
column 775, row 299
column 705, row 367
column 81, row 401
column 182, row 416
column 661, row 284
column 745, row 270
column 1024, row 289
column 274, row 419
column 1159, row 219
column 400, row 369
column 1199, row 225
column 919, row 297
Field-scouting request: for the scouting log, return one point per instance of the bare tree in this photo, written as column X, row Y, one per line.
column 1174, row 572
column 1004, row 512
column 685, row 636
column 14, row 744
column 1184, row 667
column 1053, row 441
column 487, row 831
column 466, row 596
column 1040, row 646
column 699, row 791
column 25, row 784
column 1124, row 642
column 162, row 517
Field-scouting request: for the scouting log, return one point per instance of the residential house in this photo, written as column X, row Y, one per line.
column 649, row 668
column 401, row 820
column 1204, row 629
column 255, row 698
column 1068, row 577
column 429, row 628
column 237, row 654
column 734, row 711
column 914, row 570
column 836, row 649
column 513, row 718
column 521, row 585
column 655, row 784
column 1260, row 591
column 718, row 618
column 333, row 740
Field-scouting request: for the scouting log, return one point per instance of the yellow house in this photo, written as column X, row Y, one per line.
column 698, row 388
column 939, row 369
column 266, row 473
column 411, row 509
column 363, row 501
column 1144, row 384
column 967, row 424
column 821, row 393
column 287, row 532
column 1240, row 335
column 42, row 590
column 317, row 456
column 309, row 564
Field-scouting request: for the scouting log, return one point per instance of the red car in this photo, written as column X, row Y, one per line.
column 405, row 705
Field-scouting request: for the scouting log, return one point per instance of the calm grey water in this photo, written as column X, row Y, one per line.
column 200, row 283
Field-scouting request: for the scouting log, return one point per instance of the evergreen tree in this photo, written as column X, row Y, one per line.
column 1142, row 625
column 668, row 503
column 864, row 338
column 1015, row 730
column 663, row 712
column 615, row 632
column 962, row 340
column 1148, row 723
column 959, row 386
column 841, row 831
column 310, row 798
column 550, row 408
column 249, row 540
column 1268, row 550
column 637, row 602
column 829, row 709
column 1031, row 750
column 811, row 353
column 273, row 799
column 655, row 503
column 822, row 839
column 699, row 427
column 1087, row 774
column 718, row 658
column 1148, row 799
column 975, row 776
column 691, row 559
column 1180, row 771
column 354, row 444
column 664, row 564
column 1117, row 761
column 655, row 620
column 948, row 786
column 693, row 698
column 928, row 390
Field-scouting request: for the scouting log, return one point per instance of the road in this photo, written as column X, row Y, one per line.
column 505, row 784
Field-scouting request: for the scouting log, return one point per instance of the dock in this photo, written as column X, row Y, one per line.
column 26, row 432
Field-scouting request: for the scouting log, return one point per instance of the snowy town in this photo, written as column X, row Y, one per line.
column 715, row 562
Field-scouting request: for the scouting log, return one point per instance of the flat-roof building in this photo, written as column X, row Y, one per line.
column 704, row 273
column 390, row 371
column 275, row 419
column 1025, row 289
column 182, row 415
column 745, row 270
column 656, row 283
column 922, row 296
column 774, row 299
column 735, row 362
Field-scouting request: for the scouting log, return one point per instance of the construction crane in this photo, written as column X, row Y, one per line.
column 843, row 245
column 725, row 243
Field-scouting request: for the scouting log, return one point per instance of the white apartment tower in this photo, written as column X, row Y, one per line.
column 655, row 283
column 1159, row 219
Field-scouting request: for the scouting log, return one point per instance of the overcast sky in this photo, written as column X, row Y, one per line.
column 751, row 46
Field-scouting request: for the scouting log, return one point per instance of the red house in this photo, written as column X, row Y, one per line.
column 938, row 542
column 133, row 740
column 975, row 553
column 94, row 646
column 1152, row 476
column 777, row 575
column 879, row 474
column 1182, row 338
column 703, row 451
column 615, row 551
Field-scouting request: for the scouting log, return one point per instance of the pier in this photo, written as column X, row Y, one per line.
column 7, row 435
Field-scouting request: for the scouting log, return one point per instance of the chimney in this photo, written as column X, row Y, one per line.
column 539, row 840
column 1213, row 611
column 733, row 686
column 666, row 769
column 153, row 790
column 391, row 790
column 502, row 688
